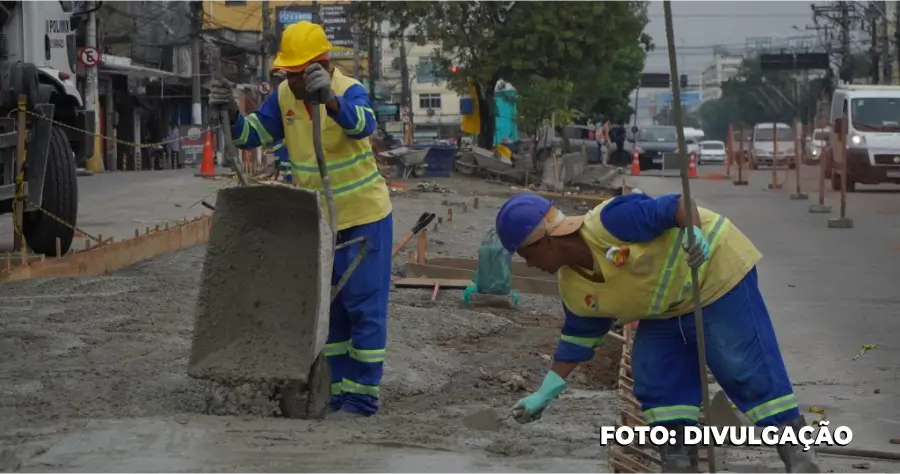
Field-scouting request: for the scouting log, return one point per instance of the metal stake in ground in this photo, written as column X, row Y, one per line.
column 842, row 221
column 799, row 155
column 820, row 207
column 689, row 218
column 774, row 185
column 740, row 181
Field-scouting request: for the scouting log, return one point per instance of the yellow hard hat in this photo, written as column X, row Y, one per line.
column 301, row 43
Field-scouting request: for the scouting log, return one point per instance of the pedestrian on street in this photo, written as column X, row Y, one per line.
column 628, row 259
column 174, row 143
column 358, row 330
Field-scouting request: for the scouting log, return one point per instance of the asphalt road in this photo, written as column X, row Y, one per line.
column 830, row 292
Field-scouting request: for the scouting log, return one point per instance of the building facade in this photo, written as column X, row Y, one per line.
column 721, row 69
column 435, row 110
column 238, row 29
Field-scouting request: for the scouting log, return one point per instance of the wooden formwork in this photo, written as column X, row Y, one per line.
column 633, row 458
column 109, row 256
column 622, row 458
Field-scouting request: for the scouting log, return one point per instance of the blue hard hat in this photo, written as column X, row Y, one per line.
column 518, row 217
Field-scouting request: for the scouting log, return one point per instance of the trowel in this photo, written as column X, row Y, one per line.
column 487, row 419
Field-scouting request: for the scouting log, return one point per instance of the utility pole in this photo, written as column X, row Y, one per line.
column 406, row 90
column 91, row 86
column 267, row 42
column 892, row 16
column 846, row 58
column 196, row 90
column 374, row 70
column 356, row 60
column 877, row 73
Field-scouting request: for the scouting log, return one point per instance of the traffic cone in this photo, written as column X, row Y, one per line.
column 692, row 165
column 207, row 164
column 635, row 163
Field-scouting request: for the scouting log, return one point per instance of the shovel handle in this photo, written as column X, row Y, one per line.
column 323, row 169
column 423, row 221
column 225, row 125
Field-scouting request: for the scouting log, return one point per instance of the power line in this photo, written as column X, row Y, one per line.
column 732, row 15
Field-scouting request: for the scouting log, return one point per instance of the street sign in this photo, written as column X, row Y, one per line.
column 264, row 87
column 89, row 56
column 794, row 61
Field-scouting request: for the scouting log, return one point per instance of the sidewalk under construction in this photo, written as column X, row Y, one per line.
column 104, row 357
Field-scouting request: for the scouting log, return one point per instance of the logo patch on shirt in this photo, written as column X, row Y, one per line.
column 289, row 117
column 590, row 302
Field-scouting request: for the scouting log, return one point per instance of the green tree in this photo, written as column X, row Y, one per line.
column 577, row 42
column 542, row 100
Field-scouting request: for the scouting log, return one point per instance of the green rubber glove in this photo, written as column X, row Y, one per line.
column 530, row 408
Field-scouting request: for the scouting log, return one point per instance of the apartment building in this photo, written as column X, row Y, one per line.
column 721, row 69
column 435, row 108
column 239, row 23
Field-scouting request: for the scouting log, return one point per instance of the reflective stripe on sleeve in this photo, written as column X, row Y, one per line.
column 264, row 137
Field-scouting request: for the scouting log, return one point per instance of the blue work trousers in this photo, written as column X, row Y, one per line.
column 357, row 334
column 741, row 351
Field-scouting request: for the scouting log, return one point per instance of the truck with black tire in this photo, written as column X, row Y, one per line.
column 37, row 61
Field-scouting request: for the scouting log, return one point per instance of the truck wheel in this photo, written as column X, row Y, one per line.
column 60, row 199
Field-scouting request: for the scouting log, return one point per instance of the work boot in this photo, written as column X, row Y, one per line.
column 678, row 457
column 795, row 459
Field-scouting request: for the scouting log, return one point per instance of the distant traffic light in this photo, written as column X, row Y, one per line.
column 452, row 68
column 683, row 81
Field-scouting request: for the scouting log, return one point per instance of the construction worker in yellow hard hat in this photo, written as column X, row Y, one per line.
column 358, row 329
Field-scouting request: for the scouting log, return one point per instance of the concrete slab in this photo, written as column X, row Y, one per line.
column 819, row 209
column 840, row 223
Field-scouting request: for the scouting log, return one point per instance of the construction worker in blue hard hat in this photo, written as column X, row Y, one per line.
column 628, row 259
column 358, row 330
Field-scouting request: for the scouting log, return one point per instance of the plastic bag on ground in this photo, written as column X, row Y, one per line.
column 493, row 275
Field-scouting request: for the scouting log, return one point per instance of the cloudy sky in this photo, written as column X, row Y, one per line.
column 699, row 25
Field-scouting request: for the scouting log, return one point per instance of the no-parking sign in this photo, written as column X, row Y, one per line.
column 89, row 56
column 264, row 87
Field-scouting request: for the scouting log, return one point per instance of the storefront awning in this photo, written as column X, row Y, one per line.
column 123, row 66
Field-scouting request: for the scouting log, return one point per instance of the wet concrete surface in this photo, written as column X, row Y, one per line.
column 98, row 365
column 275, row 446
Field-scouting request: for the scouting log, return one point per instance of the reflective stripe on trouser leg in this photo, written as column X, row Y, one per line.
column 744, row 357
column 666, row 373
column 364, row 299
column 337, row 349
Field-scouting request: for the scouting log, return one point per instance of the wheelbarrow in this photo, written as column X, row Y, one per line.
column 265, row 292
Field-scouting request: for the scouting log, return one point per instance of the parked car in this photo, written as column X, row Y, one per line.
column 652, row 142
column 815, row 146
column 712, row 151
column 773, row 143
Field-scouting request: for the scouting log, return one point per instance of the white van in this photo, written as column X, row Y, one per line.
column 873, row 135
column 772, row 143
